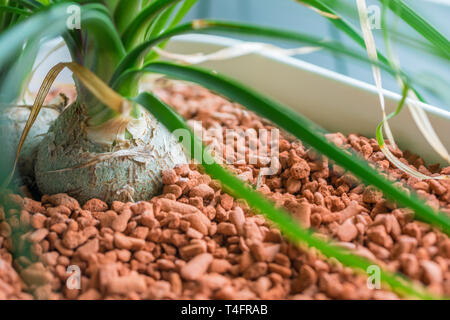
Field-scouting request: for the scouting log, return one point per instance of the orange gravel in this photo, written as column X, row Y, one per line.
column 196, row 242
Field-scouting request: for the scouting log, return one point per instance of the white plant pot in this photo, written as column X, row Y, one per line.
column 335, row 102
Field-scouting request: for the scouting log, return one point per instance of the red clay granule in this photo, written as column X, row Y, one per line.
column 196, row 242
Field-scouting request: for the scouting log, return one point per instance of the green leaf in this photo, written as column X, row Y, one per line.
column 340, row 23
column 283, row 220
column 160, row 22
column 20, row 69
column 133, row 58
column 103, row 56
column 180, row 14
column 14, row 10
column 111, row 5
column 104, row 38
column 379, row 130
column 351, row 31
column 13, row 40
column 125, row 12
column 422, row 26
column 135, row 32
column 303, row 129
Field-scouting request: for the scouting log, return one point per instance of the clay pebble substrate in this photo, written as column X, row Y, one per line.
column 197, row 242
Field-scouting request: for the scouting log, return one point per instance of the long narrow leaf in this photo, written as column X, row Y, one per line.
column 125, row 12
column 136, row 30
column 14, row 10
column 281, row 218
column 422, row 26
column 350, row 30
column 179, row 15
column 15, row 77
column 33, row 28
column 36, row 27
column 104, row 36
column 427, row 30
column 94, row 18
column 301, row 128
column 160, row 22
column 134, row 57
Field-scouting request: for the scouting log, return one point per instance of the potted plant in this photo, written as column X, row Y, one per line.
column 114, row 143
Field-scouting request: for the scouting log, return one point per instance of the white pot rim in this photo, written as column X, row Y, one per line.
column 298, row 63
column 336, row 102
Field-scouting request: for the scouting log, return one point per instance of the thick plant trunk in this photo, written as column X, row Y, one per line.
column 68, row 161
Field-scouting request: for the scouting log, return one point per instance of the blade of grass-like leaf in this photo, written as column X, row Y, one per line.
column 30, row 4
column 179, row 15
column 8, row 16
column 420, row 117
column 14, row 10
column 347, row 8
column 418, row 114
column 372, row 53
column 26, row 92
column 349, row 29
column 301, row 128
column 105, row 39
column 422, row 26
column 379, row 131
column 389, row 155
column 20, row 69
column 134, row 57
column 94, row 18
column 135, row 32
column 340, row 23
column 111, row 5
column 125, row 12
column 282, row 219
column 160, row 22
column 36, row 27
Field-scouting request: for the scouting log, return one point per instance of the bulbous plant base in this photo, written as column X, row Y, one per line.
column 12, row 123
column 68, row 162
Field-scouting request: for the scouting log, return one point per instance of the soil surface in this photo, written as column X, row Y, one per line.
column 194, row 241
